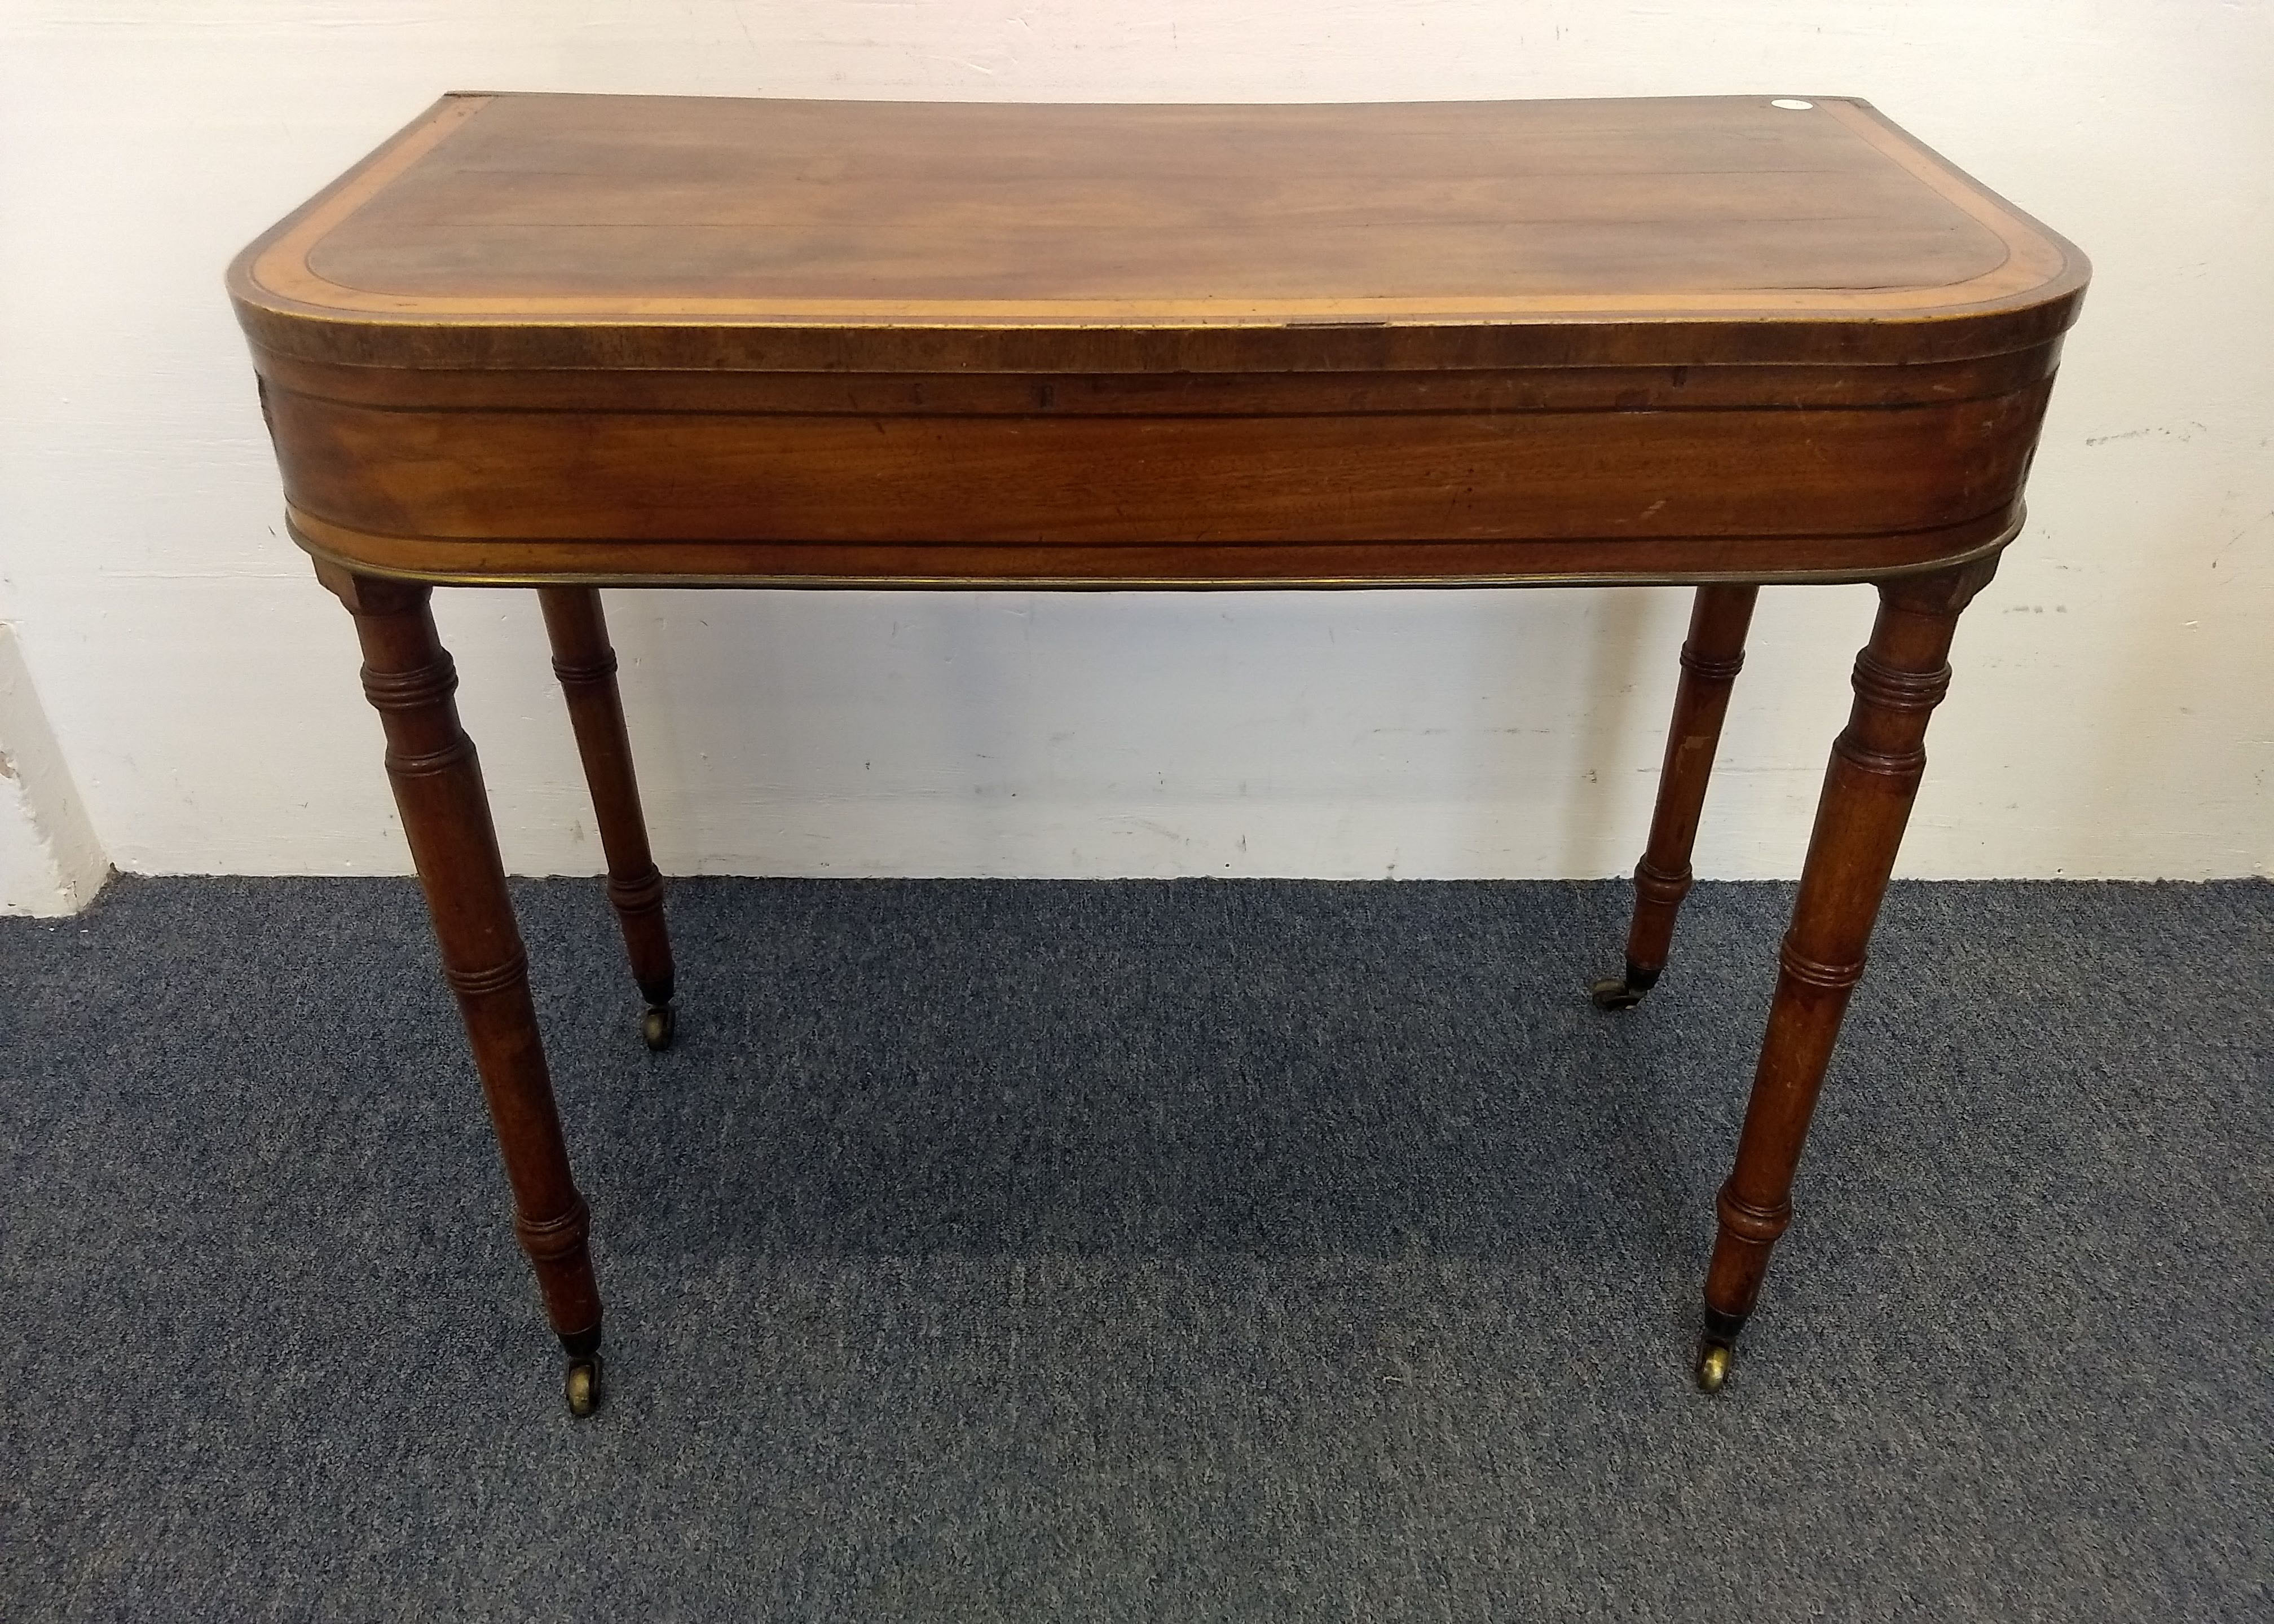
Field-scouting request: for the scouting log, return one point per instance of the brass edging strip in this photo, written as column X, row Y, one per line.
column 1127, row 583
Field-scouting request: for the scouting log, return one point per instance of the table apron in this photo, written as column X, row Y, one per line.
column 458, row 493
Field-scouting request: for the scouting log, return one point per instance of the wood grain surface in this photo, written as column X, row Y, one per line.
column 943, row 235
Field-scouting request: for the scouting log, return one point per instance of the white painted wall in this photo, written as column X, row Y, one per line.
column 2110, row 715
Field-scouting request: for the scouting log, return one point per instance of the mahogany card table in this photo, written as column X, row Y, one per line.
column 574, row 342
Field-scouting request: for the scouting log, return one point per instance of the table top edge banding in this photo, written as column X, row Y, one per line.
column 2029, row 296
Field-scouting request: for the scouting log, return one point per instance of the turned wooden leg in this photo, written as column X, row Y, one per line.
column 1712, row 655
column 1900, row 676
column 586, row 666
column 409, row 678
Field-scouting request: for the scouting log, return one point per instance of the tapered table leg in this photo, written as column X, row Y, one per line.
column 1712, row 655
column 409, row 679
column 1876, row 764
column 586, row 666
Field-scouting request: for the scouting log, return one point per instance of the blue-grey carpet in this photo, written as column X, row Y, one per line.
column 1079, row 1251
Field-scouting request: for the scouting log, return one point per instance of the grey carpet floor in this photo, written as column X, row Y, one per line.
column 1201, row 1251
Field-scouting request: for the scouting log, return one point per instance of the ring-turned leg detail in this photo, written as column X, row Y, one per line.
column 1712, row 655
column 1874, row 775
column 409, row 679
column 586, row 666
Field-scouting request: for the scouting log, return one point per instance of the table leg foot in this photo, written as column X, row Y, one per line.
column 1717, row 1350
column 1623, row 992
column 657, row 1026
column 580, row 1386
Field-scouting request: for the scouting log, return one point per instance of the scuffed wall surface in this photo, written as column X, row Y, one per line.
column 51, row 861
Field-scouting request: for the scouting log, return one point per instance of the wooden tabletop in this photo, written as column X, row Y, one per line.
column 514, row 230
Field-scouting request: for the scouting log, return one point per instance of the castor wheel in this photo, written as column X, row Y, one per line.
column 1623, row 992
column 656, row 1026
column 582, row 1384
column 1612, row 993
column 1713, row 1365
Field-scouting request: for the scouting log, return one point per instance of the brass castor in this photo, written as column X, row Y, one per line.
column 1713, row 1365
column 1613, row 992
column 583, row 1385
column 1623, row 992
column 656, row 1026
